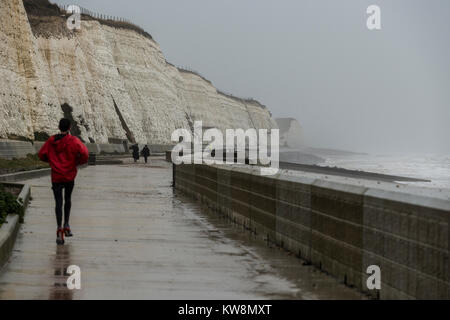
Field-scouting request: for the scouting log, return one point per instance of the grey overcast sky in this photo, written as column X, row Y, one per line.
column 315, row 60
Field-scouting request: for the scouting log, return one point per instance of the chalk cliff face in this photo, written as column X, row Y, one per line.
column 114, row 82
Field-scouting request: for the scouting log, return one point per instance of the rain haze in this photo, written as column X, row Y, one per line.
column 382, row 91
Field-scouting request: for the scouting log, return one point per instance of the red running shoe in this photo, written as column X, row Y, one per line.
column 67, row 231
column 60, row 236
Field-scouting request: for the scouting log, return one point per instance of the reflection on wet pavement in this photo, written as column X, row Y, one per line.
column 61, row 263
column 135, row 238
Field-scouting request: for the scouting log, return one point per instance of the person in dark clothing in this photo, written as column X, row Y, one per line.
column 135, row 149
column 64, row 153
column 145, row 153
column 58, row 188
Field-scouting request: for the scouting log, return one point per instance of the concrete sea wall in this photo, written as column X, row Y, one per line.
column 341, row 228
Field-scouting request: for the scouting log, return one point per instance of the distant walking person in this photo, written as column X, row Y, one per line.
column 64, row 153
column 135, row 149
column 145, row 153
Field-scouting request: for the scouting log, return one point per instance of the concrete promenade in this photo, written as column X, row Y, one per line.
column 137, row 239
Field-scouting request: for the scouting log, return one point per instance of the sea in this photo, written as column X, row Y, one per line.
column 428, row 167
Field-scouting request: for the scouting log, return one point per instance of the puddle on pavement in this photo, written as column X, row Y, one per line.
column 302, row 281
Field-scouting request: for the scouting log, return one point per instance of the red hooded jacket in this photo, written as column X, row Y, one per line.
column 64, row 153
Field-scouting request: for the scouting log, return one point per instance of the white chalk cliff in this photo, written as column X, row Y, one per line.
column 114, row 82
column 291, row 133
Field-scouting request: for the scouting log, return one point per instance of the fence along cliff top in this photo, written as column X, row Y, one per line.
column 108, row 20
column 37, row 10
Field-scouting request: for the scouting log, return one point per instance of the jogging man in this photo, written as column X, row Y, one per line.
column 64, row 153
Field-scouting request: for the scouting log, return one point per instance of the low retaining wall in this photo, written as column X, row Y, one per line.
column 25, row 175
column 10, row 229
column 160, row 148
column 98, row 148
column 37, row 146
column 340, row 228
column 10, row 149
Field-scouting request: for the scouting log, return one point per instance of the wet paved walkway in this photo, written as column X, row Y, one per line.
column 136, row 239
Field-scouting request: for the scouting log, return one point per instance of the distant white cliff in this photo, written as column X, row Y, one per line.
column 291, row 133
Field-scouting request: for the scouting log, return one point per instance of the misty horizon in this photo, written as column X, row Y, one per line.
column 350, row 88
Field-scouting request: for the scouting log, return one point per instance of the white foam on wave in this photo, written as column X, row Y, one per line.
column 428, row 167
